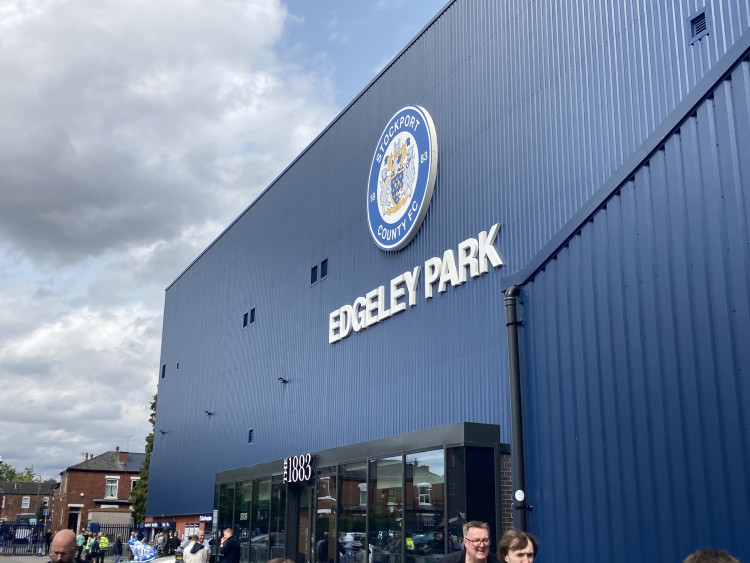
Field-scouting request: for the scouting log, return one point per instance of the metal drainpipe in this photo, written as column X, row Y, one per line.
column 518, row 472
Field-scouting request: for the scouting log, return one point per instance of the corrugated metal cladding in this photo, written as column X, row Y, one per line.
column 535, row 106
column 637, row 375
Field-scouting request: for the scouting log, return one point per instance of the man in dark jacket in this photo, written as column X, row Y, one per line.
column 476, row 545
column 230, row 548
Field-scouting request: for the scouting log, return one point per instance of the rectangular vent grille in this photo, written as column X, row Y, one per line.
column 699, row 24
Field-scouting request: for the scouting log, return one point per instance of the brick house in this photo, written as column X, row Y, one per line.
column 97, row 490
column 23, row 501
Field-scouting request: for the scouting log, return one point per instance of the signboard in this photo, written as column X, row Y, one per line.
column 402, row 177
column 298, row 468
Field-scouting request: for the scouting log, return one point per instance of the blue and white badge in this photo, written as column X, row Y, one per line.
column 402, row 177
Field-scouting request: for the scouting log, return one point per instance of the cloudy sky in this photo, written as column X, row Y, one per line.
column 132, row 132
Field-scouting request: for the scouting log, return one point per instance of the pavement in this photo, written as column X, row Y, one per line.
column 23, row 558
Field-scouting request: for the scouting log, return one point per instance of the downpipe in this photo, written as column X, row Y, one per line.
column 518, row 471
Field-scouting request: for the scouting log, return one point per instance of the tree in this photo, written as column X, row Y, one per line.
column 9, row 473
column 139, row 492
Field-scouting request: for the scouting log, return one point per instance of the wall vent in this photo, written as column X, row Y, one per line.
column 698, row 25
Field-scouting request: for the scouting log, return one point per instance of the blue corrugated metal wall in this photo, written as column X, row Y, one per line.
column 532, row 115
column 637, row 358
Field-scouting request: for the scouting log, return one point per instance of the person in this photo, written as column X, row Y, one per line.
column 103, row 547
column 206, row 545
column 173, row 544
column 476, row 545
column 64, row 547
column 230, row 547
column 47, row 541
column 709, row 556
column 518, row 547
column 92, row 548
column 321, row 549
column 183, row 545
column 80, row 541
column 118, row 548
column 194, row 551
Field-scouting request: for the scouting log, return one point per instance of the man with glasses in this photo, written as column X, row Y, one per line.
column 476, row 545
column 64, row 548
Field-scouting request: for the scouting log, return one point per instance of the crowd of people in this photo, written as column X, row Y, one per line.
column 515, row 546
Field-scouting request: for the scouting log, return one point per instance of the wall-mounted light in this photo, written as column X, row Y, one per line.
column 282, row 380
column 163, row 432
column 207, row 413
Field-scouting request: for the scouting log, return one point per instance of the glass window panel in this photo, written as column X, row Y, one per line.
column 385, row 532
column 276, row 536
column 244, row 509
column 353, row 511
column 425, row 506
column 226, row 505
column 256, row 538
column 326, row 548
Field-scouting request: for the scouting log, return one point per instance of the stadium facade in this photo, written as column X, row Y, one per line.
column 525, row 243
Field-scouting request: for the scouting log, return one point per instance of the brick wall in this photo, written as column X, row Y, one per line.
column 506, row 494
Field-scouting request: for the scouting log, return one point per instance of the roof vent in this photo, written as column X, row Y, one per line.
column 699, row 25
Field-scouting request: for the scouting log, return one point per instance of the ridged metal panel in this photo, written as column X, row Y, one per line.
column 532, row 117
column 637, row 392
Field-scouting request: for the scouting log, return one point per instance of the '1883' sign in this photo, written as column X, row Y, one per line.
column 298, row 468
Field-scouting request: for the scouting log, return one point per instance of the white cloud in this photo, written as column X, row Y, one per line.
column 134, row 133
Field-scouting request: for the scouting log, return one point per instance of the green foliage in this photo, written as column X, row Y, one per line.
column 139, row 492
column 9, row 473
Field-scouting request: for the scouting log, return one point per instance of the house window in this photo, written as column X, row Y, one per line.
column 313, row 274
column 362, row 494
column 25, row 501
column 324, row 268
column 163, row 371
column 133, row 481
column 3, row 506
column 424, row 493
column 110, row 490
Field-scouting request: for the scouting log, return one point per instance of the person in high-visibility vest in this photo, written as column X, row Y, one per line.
column 103, row 547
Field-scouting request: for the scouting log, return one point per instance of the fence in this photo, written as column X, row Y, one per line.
column 28, row 539
column 22, row 539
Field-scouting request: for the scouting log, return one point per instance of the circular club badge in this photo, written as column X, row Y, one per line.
column 402, row 177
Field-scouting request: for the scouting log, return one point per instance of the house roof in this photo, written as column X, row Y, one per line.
column 27, row 487
column 110, row 461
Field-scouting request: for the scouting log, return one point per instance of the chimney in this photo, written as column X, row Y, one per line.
column 122, row 457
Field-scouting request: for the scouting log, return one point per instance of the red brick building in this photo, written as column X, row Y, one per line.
column 25, row 501
column 97, row 490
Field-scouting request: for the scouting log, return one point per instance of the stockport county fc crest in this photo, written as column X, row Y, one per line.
column 402, row 177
